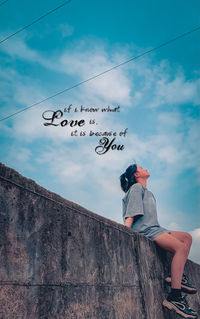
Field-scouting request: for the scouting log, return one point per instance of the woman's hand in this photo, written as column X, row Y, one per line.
column 129, row 221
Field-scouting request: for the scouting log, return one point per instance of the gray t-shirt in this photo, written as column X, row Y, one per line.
column 140, row 202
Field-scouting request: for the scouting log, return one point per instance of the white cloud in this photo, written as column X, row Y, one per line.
column 18, row 156
column 176, row 91
column 195, row 252
column 170, row 217
column 137, row 83
column 17, row 48
column 175, row 226
column 169, row 120
column 114, row 87
column 66, row 30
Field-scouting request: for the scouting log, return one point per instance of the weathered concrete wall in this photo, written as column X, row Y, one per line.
column 59, row 260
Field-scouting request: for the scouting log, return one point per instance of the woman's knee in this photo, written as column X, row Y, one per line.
column 184, row 237
column 171, row 243
column 181, row 248
column 188, row 239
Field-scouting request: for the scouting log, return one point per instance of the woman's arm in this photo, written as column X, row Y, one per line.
column 129, row 221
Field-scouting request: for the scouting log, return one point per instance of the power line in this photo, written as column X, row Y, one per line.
column 33, row 22
column 3, row 2
column 104, row 72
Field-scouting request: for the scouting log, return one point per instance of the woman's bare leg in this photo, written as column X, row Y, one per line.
column 175, row 243
column 186, row 238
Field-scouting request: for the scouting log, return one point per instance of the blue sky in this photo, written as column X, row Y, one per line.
column 157, row 95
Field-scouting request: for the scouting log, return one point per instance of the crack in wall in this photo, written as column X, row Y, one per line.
column 23, row 284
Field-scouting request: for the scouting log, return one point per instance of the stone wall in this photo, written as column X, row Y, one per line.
column 60, row 260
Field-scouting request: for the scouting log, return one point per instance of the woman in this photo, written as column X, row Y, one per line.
column 139, row 213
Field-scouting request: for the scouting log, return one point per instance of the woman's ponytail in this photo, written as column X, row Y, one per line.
column 124, row 182
column 127, row 179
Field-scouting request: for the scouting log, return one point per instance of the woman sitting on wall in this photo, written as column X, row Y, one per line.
column 140, row 214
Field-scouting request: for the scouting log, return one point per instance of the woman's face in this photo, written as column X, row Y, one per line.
column 141, row 172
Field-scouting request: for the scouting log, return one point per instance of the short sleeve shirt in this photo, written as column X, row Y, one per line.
column 140, row 202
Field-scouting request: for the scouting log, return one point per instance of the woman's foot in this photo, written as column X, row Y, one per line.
column 181, row 306
column 186, row 286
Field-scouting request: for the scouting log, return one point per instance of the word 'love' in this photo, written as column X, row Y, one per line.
column 54, row 116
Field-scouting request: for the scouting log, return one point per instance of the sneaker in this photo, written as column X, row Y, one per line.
column 181, row 306
column 193, row 311
column 186, row 286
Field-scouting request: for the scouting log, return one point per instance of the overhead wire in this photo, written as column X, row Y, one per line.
column 35, row 21
column 104, row 72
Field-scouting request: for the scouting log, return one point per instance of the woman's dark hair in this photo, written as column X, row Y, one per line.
column 127, row 179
